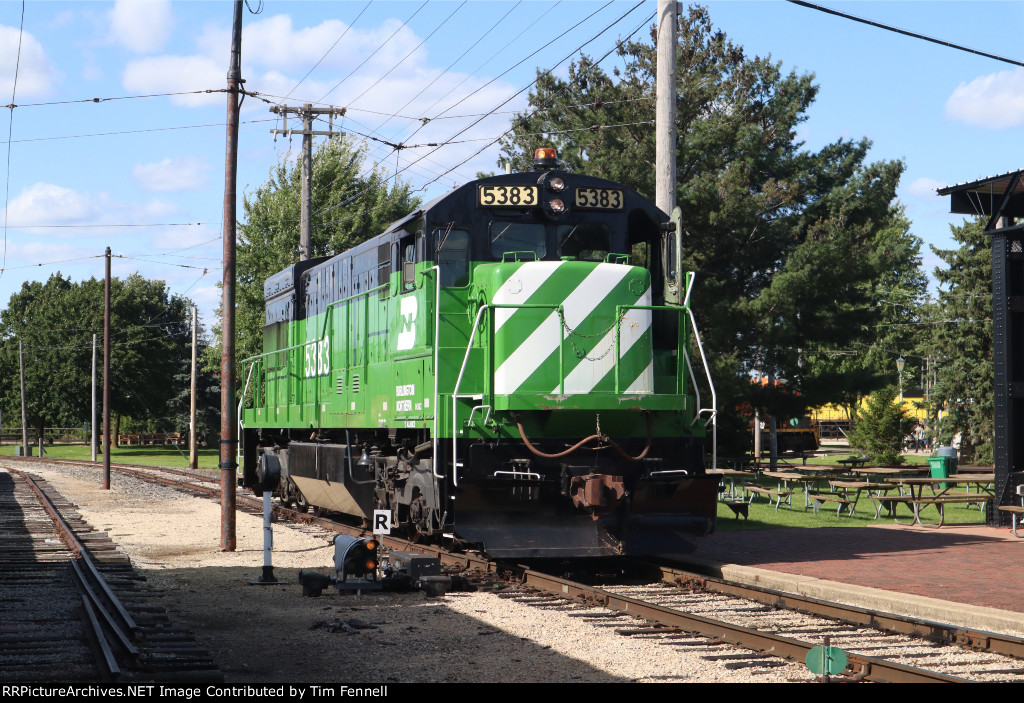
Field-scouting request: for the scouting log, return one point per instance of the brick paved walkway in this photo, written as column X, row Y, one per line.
column 971, row 564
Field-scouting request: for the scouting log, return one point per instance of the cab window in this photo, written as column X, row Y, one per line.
column 517, row 236
column 587, row 241
column 453, row 258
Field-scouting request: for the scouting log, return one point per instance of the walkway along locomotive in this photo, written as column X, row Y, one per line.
column 506, row 366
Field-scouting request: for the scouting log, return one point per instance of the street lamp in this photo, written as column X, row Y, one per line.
column 899, row 367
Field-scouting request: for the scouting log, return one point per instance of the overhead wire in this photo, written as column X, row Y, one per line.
column 10, row 132
column 473, row 124
column 411, row 52
column 897, row 30
column 373, row 53
column 133, row 131
column 545, row 73
column 326, row 53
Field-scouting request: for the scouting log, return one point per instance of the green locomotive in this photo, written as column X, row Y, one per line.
column 507, row 367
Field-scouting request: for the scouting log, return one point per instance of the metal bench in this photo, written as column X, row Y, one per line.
column 1016, row 511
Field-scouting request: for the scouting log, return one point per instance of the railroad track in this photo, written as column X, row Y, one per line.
column 73, row 610
column 683, row 609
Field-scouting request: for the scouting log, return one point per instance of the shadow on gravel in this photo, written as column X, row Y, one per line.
column 272, row 634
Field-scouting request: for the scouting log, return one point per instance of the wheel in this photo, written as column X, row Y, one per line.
column 301, row 504
column 288, row 494
column 419, row 520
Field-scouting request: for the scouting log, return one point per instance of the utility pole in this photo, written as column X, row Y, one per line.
column 106, row 376
column 665, row 108
column 193, row 459
column 228, row 425
column 24, row 420
column 92, row 429
column 306, row 112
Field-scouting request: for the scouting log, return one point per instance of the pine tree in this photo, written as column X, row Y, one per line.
column 962, row 344
column 880, row 427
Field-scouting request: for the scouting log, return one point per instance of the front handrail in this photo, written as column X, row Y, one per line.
column 465, row 360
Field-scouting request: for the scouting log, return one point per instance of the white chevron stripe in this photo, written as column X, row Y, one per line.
column 528, row 357
column 589, row 372
column 520, row 286
column 644, row 383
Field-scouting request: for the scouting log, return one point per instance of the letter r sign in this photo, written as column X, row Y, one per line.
column 382, row 522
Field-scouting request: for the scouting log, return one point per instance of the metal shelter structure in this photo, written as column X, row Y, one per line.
column 1001, row 199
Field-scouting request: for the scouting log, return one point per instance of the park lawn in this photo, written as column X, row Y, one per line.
column 762, row 515
column 145, row 455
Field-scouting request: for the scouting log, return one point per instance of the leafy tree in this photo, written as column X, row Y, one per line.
column 207, row 397
column 880, row 427
column 962, row 344
column 790, row 246
column 55, row 322
column 348, row 207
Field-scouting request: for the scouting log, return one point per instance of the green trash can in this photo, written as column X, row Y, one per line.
column 940, row 467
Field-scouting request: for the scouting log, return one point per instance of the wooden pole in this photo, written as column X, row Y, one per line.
column 228, row 424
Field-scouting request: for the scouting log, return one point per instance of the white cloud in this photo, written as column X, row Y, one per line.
column 142, row 27
column 46, row 209
column 995, row 100
column 276, row 56
column 46, row 203
column 924, row 188
column 177, row 74
column 188, row 173
column 36, row 75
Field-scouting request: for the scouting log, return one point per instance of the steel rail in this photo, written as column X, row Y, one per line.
column 860, row 667
column 979, row 640
column 119, row 622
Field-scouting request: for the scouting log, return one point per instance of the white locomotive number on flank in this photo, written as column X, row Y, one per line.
column 318, row 358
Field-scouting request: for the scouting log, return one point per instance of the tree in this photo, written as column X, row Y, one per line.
column 901, row 328
column 962, row 344
column 55, row 322
column 880, row 427
column 789, row 246
column 348, row 208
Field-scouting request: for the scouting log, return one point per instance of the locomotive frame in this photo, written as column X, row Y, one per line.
column 507, row 366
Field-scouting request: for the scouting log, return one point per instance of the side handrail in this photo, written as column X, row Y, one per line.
column 713, row 419
column 238, row 416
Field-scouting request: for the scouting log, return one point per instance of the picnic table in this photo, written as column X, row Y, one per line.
column 805, row 480
column 732, row 475
column 941, row 496
column 853, row 462
column 841, row 495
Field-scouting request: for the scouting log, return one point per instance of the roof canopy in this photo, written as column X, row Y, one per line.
column 996, row 196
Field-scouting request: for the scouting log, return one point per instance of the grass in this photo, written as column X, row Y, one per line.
column 763, row 516
column 145, row 455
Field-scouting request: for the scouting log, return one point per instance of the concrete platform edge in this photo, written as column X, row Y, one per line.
column 950, row 613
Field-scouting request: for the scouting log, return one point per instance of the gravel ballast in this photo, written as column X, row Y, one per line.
column 268, row 634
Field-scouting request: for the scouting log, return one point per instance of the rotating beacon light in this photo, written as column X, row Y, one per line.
column 545, row 159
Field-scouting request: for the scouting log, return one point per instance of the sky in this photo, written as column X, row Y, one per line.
column 116, row 142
